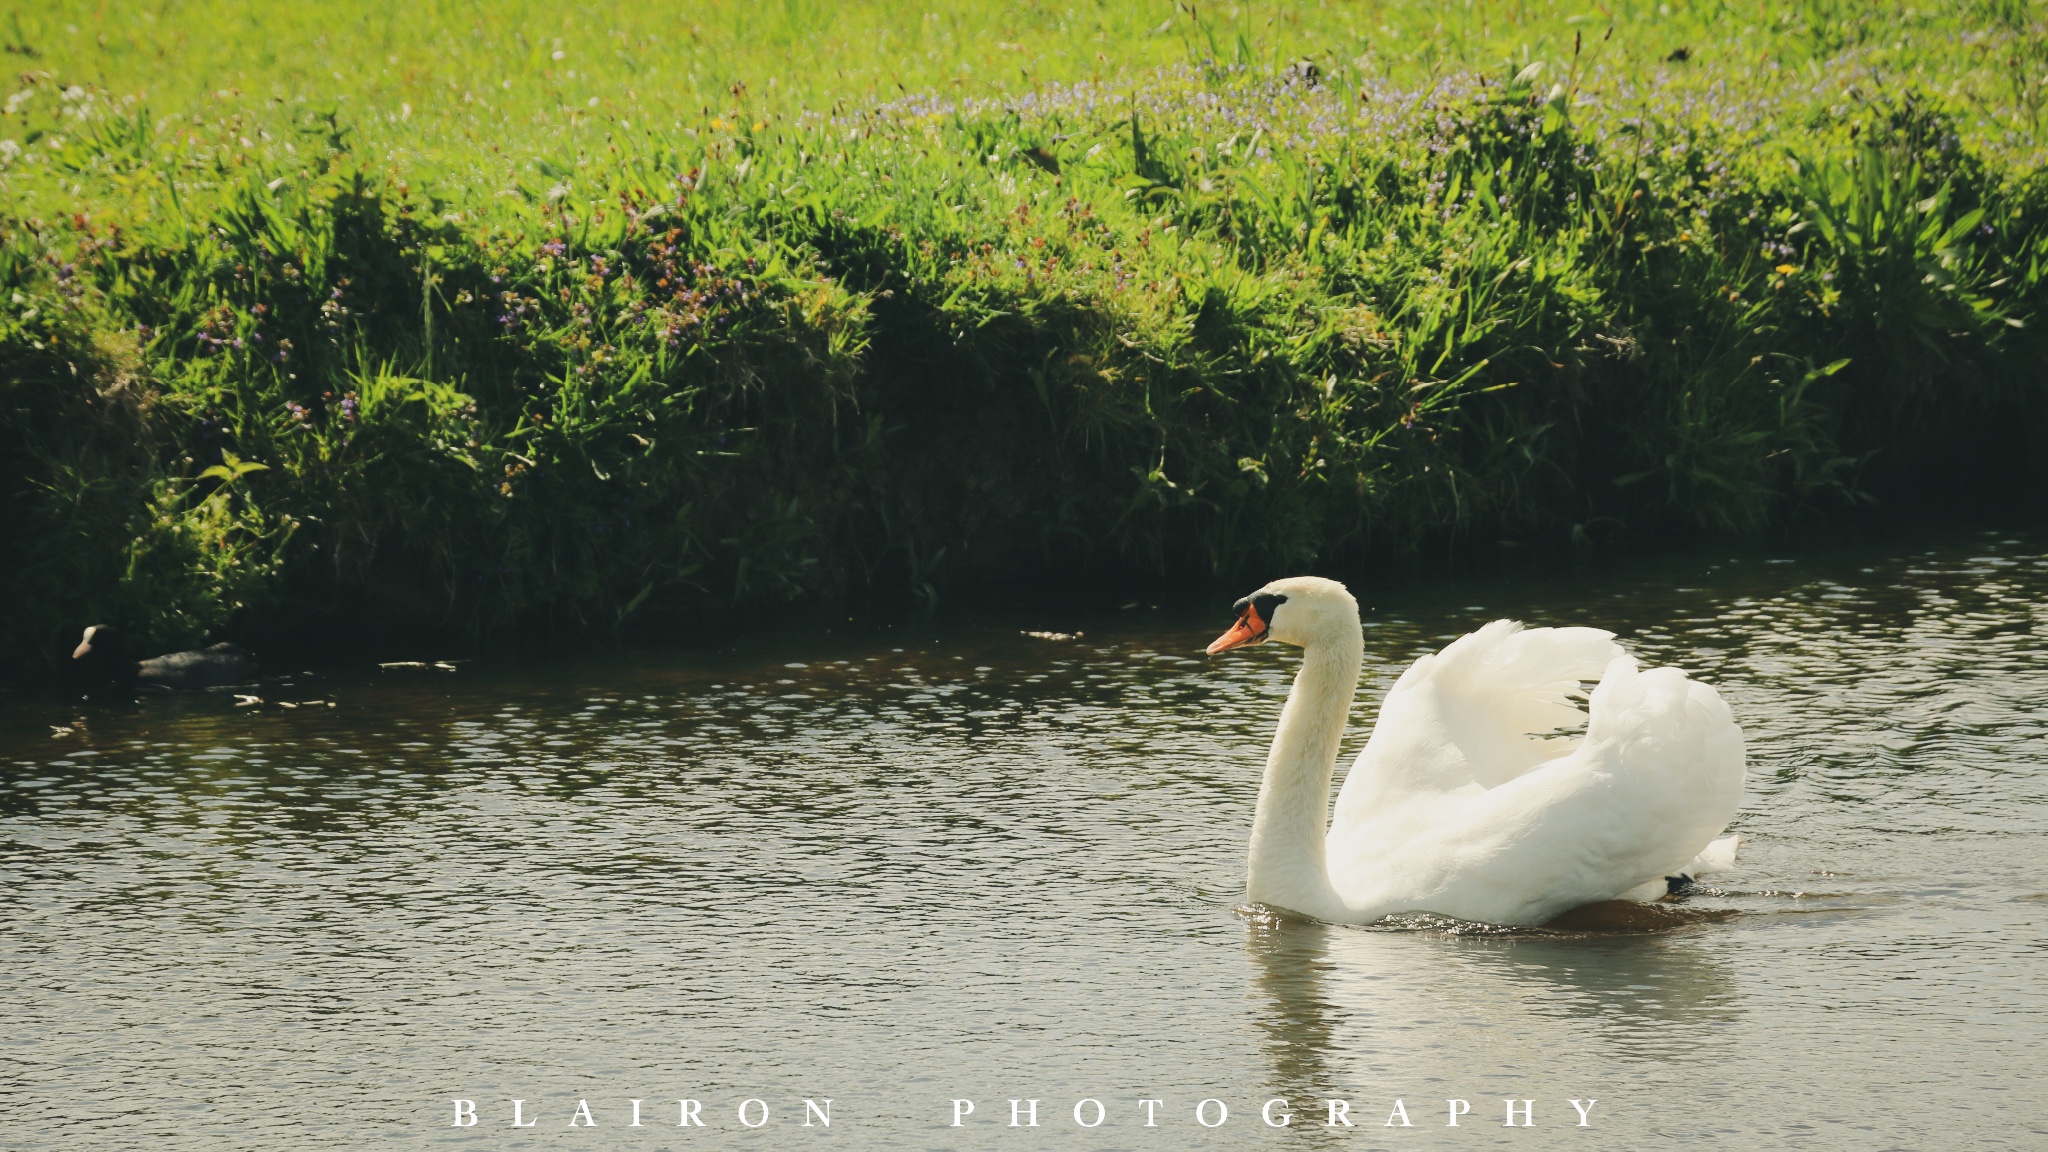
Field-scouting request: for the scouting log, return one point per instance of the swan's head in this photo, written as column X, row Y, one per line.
column 1298, row 610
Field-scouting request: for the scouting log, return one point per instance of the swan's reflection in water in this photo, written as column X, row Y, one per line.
column 1348, row 1009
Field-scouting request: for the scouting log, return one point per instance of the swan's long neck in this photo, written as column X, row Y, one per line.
column 1288, row 868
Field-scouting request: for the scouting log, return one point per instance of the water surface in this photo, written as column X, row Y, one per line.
column 905, row 867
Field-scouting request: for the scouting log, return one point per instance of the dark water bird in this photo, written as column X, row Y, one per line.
column 103, row 661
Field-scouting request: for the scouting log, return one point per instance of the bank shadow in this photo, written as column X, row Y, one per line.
column 1344, row 1006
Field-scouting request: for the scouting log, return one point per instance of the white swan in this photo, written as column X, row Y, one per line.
column 1469, row 801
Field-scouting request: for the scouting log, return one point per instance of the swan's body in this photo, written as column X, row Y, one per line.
column 1469, row 800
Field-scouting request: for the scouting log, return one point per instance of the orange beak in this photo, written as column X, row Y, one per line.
column 1249, row 629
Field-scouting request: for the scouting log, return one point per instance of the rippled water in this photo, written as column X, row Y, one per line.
column 903, row 868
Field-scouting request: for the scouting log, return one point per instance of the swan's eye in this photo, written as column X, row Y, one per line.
column 1265, row 605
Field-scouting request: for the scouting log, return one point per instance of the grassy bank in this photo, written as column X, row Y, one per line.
column 319, row 324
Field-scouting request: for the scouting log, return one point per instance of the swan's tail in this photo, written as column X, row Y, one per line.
column 1716, row 857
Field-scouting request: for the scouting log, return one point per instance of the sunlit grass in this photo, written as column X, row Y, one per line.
column 469, row 93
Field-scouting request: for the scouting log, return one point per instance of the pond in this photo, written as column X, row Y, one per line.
column 897, row 869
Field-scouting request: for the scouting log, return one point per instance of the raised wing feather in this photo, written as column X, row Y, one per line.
column 1482, row 711
column 1658, row 775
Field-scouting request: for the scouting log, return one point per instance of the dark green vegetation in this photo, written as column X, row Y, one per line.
column 1320, row 292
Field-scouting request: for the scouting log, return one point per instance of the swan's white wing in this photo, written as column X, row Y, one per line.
column 1673, row 750
column 1478, row 712
column 1658, row 776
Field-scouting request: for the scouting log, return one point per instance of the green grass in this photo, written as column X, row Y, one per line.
column 511, row 320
